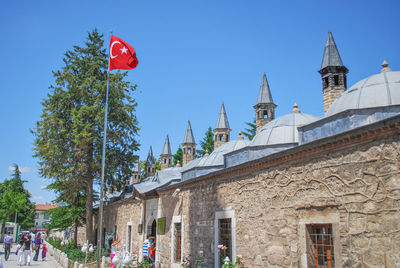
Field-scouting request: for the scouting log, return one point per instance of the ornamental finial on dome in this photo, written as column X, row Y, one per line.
column 385, row 67
column 296, row 109
column 240, row 137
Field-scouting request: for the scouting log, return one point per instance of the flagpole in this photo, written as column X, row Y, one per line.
column 103, row 163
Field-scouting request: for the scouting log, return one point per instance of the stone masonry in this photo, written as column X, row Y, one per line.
column 356, row 188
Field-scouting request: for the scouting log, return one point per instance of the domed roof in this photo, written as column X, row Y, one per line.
column 378, row 90
column 283, row 129
column 216, row 158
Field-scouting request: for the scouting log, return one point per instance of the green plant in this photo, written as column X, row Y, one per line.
column 226, row 262
column 145, row 263
column 197, row 264
column 74, row 253
column 237, row 264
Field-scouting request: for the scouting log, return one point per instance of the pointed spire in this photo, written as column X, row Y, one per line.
column 150, row 157
column 264, row 96
column 189, row 134
column 331, row 53
column 222, row 118
column 167, row 147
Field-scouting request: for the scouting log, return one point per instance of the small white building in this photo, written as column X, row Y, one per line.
column 41, row 216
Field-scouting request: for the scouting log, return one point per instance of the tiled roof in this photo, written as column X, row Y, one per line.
column 45, row 207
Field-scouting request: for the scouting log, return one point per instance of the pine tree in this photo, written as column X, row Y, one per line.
column 69, row 135
column 178, row 156
column 207, row 143
column 251, row 131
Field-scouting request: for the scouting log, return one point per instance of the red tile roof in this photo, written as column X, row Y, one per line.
column 45, row 207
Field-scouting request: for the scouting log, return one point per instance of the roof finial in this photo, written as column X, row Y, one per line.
column 240, row 137
column 385, row 67
column 296, row 109
column 178, row 163
column 206, row 154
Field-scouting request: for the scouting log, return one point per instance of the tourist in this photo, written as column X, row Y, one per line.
column 114, row 248
column 153, row 254
column 37, row 243
column 44, row 251
column 7, row 245
column 27, row 250
column 146, row 245
column 20, row 249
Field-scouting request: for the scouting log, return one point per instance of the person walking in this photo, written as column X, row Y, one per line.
column 37, row 243
column 153, row 254
column 20, row 249
column 146, row 246
column 27, row 250
column 7, row 245
column 44, row 251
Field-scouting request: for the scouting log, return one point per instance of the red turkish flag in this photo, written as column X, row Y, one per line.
column 122, row 55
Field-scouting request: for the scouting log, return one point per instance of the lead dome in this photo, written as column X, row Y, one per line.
column 283, row 129
column 378, row 90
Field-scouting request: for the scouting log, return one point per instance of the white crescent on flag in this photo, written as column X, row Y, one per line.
column 111, row 47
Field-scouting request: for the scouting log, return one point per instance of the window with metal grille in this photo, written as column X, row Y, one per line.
column 225, row 235
column 320, row 252
column 177, row 242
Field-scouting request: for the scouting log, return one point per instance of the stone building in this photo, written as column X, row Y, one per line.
column 305, row 192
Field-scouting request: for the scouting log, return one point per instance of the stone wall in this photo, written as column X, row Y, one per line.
column 330, row 95
column 122, row 214
column 356, row 188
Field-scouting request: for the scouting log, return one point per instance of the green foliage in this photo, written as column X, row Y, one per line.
column 237, row 264
column 207, row 143
column 69, row 136
column 178, row 156
column 145, row 264
column 65, row 216
column 143, row 171
column 199, row 263
column 14, row 199
column 74, row 253
column 251, row 131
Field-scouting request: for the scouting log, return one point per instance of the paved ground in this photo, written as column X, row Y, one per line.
column 12, row 261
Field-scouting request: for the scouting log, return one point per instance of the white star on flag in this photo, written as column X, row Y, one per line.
column 124, row 50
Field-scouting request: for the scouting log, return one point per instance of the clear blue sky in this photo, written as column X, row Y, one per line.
column 193, row 55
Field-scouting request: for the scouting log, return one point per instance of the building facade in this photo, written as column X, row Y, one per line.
column 304, row 192
column 41, row 216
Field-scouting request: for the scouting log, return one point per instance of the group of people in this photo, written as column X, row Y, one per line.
column 26, row 244
column 149, row 250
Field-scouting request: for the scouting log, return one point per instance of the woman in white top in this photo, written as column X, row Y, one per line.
column 20, row 249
